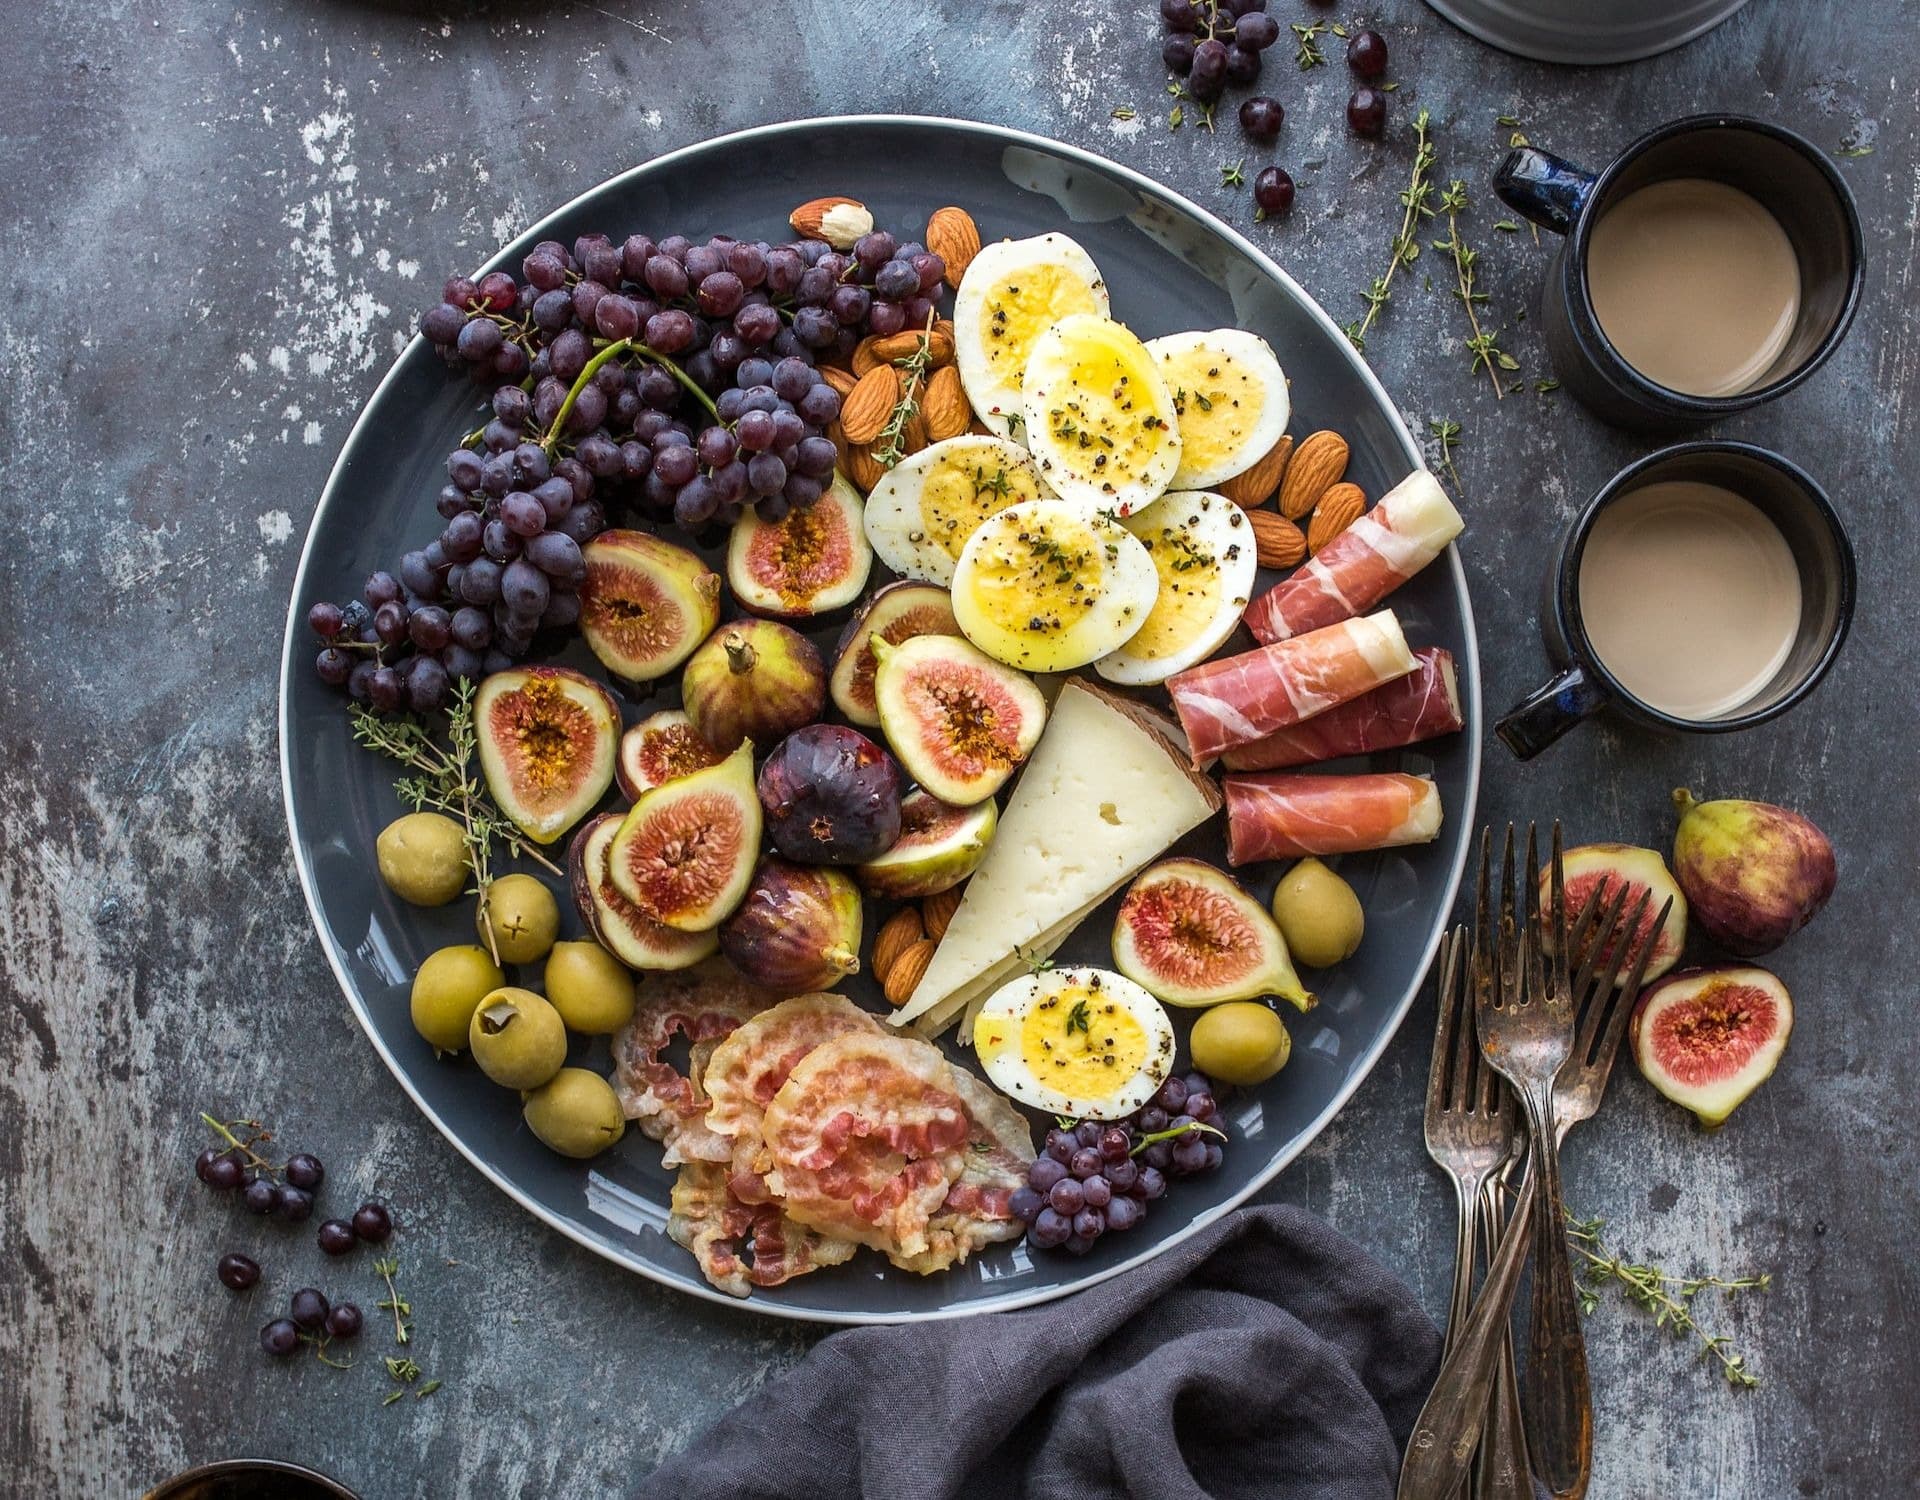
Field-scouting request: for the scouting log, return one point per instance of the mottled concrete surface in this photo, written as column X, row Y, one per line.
column 220, row 221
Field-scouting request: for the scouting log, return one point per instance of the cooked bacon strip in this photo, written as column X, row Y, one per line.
column 1420, row 706
column 1408, row 529
column 1240, row 699
column 703, row 1004
column 741, row 1246
column 1283, row 814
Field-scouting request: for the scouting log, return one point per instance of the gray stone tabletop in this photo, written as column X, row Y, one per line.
column 220, row 223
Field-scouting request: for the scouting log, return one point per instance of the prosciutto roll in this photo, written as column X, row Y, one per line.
column 1408, row 529
column 1420, row 706
column 1240, row 699
column 1282, row 815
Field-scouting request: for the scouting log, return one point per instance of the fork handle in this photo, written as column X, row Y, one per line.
column 1501, row 1471
column 1441, row 1448
column 1557, row 1399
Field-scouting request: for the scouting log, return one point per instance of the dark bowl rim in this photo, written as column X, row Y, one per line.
column 1567, row 589
column 1706, row 408
column 1138, row 182
column 224, row 1466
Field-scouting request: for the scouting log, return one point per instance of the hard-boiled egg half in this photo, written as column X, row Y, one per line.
column 1203, row 550
column 1100, row 419
column 920, row 516
column 1012, row 293
column 1047, row 587
column 1083, row 1042
column 1231, row 399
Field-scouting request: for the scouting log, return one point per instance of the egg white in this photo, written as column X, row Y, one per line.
column 921, row 514
column 1041, row 1006
column 1203, row 551
column 1011, row 293
column 1046, row 587
column 1231, row 399
column 1100, row 419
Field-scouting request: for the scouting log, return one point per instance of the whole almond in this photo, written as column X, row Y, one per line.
column 943, row 341
column 862, row 467
column 1277, row 542
column 1316, row 466
column 837, row 435
column 865, row 412
column 980, row 429
column 913, row 436
column 838, row 221
column 1256, row 485
column 955, row 238
column 897, row 934
column 907, row 972
column 866, row 354
column 1338, row 509
column 842, row 381
column 937, row 911
column 945, row 405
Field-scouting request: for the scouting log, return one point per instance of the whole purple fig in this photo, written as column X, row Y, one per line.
column 832, row 796
column 1754, row 873
column 798, row 929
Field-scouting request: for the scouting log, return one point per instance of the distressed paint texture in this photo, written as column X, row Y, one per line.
column 221, row 220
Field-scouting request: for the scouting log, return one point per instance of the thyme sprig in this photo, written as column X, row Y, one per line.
column 890, row 447
column 1447, row 434
column 1416, row 204
column 1307, row 53
column 445, row 780
column 1484, row 343
column 386, row 1268
column 1668, row 1297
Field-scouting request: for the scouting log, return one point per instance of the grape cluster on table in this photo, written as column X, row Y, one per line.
column 1097, row 1177
column 671, row 377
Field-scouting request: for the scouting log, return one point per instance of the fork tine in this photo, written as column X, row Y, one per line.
column 1603, row 934
column 1556, row 933
column 1465, row 1043
column 1583, row 920
column 1612, row 970
column 1508, row 967
column 1626, row 999
column 1536, row 965
column 1444, row 1020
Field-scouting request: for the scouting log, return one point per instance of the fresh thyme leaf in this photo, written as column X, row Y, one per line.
column 1386, row 88
column 1308, row 53
column 1415, row 204
column 386, row 1268
column 1854, row 151
column 1175, row 117
column 1123, row 112
column 1517, row 139
column 1508, row 120
column 1543, row 386
column 1484, row 342
column 1447, row 434
column 1078, row 1018
column 426, row 1390
column 1669, row 1298
column 1506, row 226
column 1231, row 175
column 890, row 447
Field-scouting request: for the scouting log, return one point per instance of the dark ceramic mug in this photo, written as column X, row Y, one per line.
column 1787, row 174
column 251, row 1479
column 1821, row 549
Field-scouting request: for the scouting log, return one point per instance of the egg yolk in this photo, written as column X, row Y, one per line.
column 1020, row 307
column 1101, row 421
column 958, row 494
column 1076, row 1040
column 1189, row 597
column 1218, row 404
column 1039, row 576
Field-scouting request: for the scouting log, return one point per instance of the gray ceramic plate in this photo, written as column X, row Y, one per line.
column 1169, row 266
column 1581, row 32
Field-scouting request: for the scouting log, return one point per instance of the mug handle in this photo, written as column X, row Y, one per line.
column 1548, row 190
column 1548, row 712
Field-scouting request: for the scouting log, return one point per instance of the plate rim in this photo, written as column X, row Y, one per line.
column 1369, row 1059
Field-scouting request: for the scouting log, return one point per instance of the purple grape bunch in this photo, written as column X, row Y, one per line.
column 1212, row 43
column 674, row 377
column 1097, row 1177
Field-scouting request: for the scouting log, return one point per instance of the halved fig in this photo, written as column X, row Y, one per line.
column 1191, row 935
column 685, row 852
column 645, row 604
column 547, row 739
column 1708, row 1037
column 813, row 560
column 659, row 748
column 624, row 930
column 939, row 846
column 1609, row 866
column 894, row 613
column 753, row 680
column 959, row 721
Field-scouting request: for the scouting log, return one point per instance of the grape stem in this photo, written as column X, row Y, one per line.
column 1169, row 1134
column 254, row 1158
column 614, row 351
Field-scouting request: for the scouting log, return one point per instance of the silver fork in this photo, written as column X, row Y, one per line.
column 1455, row 1414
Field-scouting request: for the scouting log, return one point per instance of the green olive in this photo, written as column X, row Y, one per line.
column 1239, row 1042
column 524, row 917
column 592, row 990
column 448, row 989
column 517, row 1038
column 575, row 1113
column 1319, row 915
column 423, row 857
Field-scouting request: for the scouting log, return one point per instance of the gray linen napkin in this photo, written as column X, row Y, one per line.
column 1267, row 1357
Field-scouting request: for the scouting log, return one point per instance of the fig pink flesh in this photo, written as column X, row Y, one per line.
column 675, row 868
column 1192, row 936
column 1713, row 1035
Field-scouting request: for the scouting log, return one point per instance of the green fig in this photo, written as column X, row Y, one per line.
column 1754, row 873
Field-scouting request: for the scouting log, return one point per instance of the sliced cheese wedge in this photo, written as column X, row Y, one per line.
column 1107, row 790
